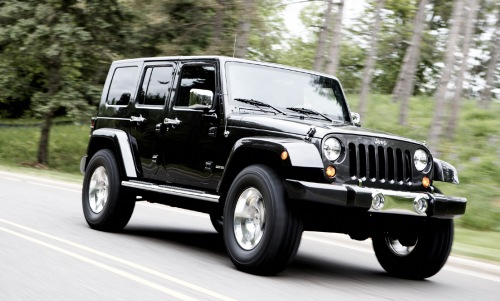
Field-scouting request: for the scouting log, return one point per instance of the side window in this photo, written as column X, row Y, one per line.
column 155, row 85
column 122, row 86
column 195, row 77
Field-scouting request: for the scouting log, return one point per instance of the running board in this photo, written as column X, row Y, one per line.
column 172, row 190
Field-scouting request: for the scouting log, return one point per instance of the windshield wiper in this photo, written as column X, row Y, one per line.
column 259, row 104
column 309, row 112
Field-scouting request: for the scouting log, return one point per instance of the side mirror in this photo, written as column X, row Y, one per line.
column 200, row 99
column 356, row 119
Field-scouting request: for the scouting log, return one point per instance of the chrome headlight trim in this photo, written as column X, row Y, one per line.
column 420, row 159
column 332, row 148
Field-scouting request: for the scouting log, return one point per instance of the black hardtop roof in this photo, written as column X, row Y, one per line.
column 222, row 59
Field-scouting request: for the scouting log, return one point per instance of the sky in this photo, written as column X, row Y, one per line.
column 352, row 10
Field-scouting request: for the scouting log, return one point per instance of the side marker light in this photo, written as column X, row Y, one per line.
column 284, row 155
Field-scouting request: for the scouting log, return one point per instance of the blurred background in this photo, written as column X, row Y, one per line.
column 425, row 69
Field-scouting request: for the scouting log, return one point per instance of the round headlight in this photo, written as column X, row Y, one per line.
column 332, row 149
column 420, row 159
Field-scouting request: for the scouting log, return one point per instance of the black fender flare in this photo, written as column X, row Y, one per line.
column 300, row 154
column 445, row 172
column 121, row 142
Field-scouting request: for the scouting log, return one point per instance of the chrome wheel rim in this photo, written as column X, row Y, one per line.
column 249, row 218
column 397, row 248
column 98, row 189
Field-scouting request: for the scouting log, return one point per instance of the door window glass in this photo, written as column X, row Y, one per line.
column 156, row 85
column 195, row 77
column 122, row 86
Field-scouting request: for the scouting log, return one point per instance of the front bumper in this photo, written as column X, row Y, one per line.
column 395, row 202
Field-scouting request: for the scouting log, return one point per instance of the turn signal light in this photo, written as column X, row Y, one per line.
column 426, row 182
column 330, row 171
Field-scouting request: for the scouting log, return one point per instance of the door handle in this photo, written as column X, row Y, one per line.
column 213, row 115
column 172, row 122
column 139, row 119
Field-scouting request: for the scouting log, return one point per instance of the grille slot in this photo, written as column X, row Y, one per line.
column 378, row 163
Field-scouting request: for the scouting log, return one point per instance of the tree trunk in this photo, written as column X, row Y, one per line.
column 485, row 96
column 402, row 80
column 243, row 32
column 468, row 22
column 218, row 26
column 43, row 146
column 370, row 60
column 53, row 87
column 323, row 34
column 408, row 71
column 436, row 128
column 335, row 39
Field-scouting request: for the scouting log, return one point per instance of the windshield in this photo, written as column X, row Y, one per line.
column 287, row 90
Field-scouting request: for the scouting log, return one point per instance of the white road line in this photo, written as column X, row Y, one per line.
column 123, row 261
column 53, row 186
column 116, row 271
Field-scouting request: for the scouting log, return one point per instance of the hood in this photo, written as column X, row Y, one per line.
column 300, row 127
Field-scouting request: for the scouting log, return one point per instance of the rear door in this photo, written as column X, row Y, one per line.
column 147, row 116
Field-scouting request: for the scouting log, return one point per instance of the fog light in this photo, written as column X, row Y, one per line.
column 330, row 171
column 378, row 201
column 420, row 204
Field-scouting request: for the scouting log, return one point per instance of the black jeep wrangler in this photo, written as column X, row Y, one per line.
column 268, row 151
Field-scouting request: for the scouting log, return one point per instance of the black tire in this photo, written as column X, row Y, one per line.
column 217, row 222
column 282, row 229
column 109, row 208
column 427, row 257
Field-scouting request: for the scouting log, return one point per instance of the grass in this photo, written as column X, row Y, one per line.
column 68, row 143
column 477, row 244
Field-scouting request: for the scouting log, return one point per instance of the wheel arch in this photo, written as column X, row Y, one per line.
column 445, row 172
column 119, row 143
column 268, row 151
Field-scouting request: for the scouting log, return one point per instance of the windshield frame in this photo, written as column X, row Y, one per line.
column 344, row 115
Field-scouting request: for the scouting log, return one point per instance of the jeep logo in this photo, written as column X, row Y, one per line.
column 380, row 142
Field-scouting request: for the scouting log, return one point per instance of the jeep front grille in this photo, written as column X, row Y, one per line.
column 379, row 163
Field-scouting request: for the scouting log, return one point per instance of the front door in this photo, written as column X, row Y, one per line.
column 191, row 126
column 147, row 117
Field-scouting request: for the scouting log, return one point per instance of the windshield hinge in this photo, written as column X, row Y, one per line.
column 310, row 134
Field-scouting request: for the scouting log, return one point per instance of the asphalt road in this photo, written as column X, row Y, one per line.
column 47, row 252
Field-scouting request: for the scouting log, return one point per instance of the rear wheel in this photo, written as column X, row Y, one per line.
column 261, row 231
column 105, row 205
column 423, row 257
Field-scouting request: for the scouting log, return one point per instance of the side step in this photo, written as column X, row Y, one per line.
column 172, row 190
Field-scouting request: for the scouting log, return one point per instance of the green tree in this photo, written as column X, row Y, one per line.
column 53, row 49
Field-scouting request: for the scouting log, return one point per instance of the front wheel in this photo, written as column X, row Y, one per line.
column 105, row 205
column 261, row 232
column 423, row 258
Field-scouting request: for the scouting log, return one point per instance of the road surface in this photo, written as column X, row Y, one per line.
column 47, row 252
